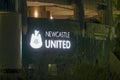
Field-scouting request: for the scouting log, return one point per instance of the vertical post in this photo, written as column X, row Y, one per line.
column 23, row 10
column 79, row 12
column 79, row 16
column 108, row 13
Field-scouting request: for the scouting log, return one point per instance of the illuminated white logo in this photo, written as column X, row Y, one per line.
column 36, row 40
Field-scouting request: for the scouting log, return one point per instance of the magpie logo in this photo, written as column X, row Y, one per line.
column 36, row 40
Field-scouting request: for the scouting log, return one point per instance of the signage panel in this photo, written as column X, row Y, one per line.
column 51, row 36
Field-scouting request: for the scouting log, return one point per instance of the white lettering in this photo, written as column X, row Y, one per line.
column 47, row 34
column 57, row 34
column 53, row 44
column 61, row 44
column 68, row 44
column 47, row 45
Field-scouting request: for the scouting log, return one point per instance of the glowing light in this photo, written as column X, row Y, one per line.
column 51, row 17
column 36, row 14
column 36, row 40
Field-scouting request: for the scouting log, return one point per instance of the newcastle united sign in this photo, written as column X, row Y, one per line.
column 50, row 39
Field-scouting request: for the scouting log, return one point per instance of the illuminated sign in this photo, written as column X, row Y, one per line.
column 53, row 39
column 61, row 44
column 36, row 40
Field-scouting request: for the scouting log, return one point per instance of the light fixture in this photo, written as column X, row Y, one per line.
column 36, row 14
